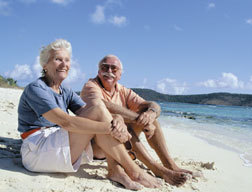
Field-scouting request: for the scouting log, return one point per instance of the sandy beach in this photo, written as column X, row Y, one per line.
column 216, row 169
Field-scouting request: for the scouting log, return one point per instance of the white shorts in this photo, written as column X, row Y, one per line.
column 48, row 150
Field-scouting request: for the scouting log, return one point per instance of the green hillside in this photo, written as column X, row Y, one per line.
column 8, row 82
column 211, row 99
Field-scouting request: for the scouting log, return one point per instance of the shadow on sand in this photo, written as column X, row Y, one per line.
column 10, row 159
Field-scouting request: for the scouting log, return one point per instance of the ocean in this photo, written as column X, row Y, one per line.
column 229, row 127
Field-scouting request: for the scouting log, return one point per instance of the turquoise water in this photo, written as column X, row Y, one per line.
column 229, row 127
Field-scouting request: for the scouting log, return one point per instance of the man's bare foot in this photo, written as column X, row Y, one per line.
column 145, row 179
column 172, row 166
column 177, row 169
column 170, row 176
column 173, row 177
column 118, row 175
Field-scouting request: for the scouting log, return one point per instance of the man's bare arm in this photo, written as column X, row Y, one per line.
column 150, row 106
column 128, row 115
column 131, row 116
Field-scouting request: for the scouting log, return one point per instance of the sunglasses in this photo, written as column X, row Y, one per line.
column 105, row 67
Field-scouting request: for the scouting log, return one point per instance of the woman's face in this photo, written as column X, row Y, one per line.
column 58, row 65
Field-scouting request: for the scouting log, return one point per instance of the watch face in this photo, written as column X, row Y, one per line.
column 152, row 109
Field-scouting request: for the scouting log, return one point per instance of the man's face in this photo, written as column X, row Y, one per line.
column 110, row 72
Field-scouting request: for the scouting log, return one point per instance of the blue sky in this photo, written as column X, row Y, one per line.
column 171, row 46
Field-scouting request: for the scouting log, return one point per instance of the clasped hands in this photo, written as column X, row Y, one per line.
column 146, row 119
column 119, row 130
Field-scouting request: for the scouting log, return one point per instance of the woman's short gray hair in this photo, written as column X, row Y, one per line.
column 56, row 45
column 110, row 56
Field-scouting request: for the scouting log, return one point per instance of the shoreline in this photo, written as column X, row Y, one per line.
column 232, row 138
column 217, row 169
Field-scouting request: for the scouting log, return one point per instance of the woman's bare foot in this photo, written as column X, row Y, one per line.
column 145, row 179
column 118, row 175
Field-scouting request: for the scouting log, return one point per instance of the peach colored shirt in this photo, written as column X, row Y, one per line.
column 122, row 96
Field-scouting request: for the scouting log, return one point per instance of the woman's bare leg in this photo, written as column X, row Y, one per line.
column 118, row 152
column 117, row 173
column 111, row 147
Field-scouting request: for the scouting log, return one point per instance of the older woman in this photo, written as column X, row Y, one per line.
column 54, row 141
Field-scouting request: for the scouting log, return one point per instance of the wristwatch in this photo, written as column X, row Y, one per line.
column 152, row 109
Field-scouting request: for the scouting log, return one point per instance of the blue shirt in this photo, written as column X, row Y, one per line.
column 38, row 98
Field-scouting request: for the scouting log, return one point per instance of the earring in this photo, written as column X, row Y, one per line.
column 44, row 70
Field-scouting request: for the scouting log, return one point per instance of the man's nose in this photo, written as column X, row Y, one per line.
column 109, row 69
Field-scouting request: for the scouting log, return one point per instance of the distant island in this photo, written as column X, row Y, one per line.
column 209, row 99
column 148, row 94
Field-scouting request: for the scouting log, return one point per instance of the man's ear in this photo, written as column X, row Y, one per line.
column 120, row 75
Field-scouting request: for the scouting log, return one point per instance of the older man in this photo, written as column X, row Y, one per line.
column 138, row 114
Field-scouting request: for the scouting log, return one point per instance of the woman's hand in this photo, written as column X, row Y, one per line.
column 119, row 130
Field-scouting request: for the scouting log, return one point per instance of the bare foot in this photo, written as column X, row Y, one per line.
column 173, row 177
column 174, row 167
column 177, row 169
column 118, row 175
column 145, row 179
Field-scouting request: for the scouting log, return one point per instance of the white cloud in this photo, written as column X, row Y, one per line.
column 211, row 5
column 113, row 2
column 37, row 67
column 26, row 73
column 118, row 21
column 177, row 28
column 249, row 21
column 98, row 16
column 147, row 27
column 4, row 8
column 75, row 73
column 171, row 86
column 20, row 72
column 250, row 78
column 62, row 2
column 144, row 83
column 228, row 80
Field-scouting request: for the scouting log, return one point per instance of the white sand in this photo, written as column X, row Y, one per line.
column 226, row 175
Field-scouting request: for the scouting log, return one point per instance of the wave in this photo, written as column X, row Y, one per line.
column 216, row 118
column 247, row 159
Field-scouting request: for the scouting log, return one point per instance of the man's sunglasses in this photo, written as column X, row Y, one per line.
column 105, row 67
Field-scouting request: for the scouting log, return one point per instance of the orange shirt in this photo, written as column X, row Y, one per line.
column 122, row 96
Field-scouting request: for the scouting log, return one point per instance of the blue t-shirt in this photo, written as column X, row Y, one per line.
column 38, row 98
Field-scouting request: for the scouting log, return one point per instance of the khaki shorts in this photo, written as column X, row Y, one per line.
column 48, row 150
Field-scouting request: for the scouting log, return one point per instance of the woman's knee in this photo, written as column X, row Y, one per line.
column 97, row 112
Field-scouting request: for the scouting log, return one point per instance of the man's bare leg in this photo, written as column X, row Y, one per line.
column 114, row 149
column 157, row 142
column 170, row 176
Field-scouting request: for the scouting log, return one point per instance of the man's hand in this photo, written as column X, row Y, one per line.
column 119, row 129
column 149, row 130
column 146, row 118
